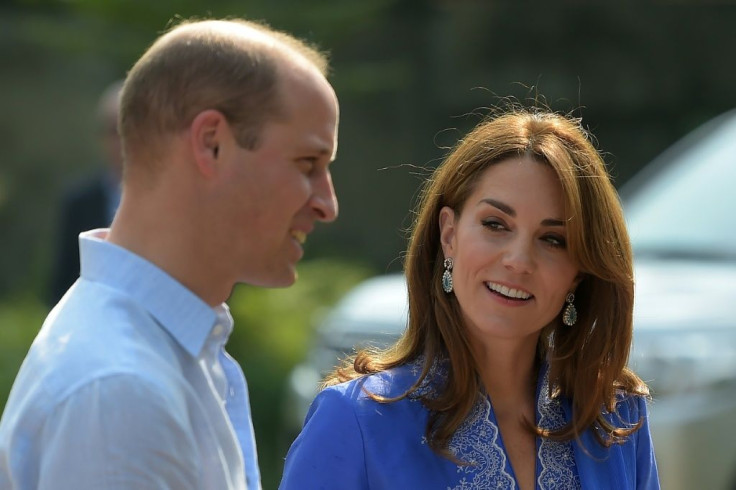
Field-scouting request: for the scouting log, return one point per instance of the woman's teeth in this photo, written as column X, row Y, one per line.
column 508, row 292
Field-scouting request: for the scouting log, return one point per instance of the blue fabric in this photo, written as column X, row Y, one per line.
column 631, row 465
column 127, row 385
column 350, row 441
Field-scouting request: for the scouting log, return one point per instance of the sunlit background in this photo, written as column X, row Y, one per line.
column 411, row 77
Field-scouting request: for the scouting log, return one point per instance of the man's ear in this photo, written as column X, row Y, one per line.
column 448, row 228
column 206, row 134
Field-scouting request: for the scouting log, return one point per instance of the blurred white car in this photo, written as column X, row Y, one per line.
column 374, row 312
column 681, row 211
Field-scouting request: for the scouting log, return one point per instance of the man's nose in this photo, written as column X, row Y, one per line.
column 324, row 200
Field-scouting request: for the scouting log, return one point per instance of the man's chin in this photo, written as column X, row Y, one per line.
column 287, row 283
column 284, row 280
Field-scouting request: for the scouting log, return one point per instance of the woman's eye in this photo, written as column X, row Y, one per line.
column 555, row 241
column 494, row 225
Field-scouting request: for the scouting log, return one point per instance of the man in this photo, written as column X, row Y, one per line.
column 92, row 203
column 228, row 130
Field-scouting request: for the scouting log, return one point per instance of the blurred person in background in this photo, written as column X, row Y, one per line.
column 228, row 131
column 512, row 371
column 92, row 203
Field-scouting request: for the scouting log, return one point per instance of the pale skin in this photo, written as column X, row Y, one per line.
column 511, row 233
column 213, row 214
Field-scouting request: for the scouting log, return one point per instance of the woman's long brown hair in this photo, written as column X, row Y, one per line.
column 587, row 361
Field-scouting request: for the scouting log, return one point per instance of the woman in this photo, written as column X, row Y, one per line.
column 512, row 371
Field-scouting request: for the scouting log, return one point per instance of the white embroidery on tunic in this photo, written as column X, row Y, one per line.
column 477, row 441
column 556, row 459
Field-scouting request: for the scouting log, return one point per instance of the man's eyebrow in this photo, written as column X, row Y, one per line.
column 319, row 149
column 512, row 212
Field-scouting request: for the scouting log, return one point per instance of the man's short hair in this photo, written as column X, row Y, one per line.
column 228, row 65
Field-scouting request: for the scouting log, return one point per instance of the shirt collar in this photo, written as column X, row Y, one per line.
column 185, row 316
column 224, row 326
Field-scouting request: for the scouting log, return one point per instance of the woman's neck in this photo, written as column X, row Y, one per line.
column 508, row 371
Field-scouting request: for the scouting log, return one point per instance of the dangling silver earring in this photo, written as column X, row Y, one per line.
column 570, row 315
column 447, row 276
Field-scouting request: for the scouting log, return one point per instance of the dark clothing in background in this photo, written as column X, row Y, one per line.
column 83, row 207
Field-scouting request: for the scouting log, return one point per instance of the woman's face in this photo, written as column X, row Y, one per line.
column 512, row 269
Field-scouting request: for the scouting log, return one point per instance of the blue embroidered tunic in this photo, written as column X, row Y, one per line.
column 350, row 441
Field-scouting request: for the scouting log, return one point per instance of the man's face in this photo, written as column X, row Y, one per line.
column 271, row 197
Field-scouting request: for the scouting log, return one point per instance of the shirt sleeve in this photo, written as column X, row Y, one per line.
column 118, row 432
column 329, row 452
column 647, row 477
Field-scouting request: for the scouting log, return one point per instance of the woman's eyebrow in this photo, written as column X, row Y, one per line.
column 500, row 205
column 512, row 212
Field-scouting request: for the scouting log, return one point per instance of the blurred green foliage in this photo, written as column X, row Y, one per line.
column 20, row 320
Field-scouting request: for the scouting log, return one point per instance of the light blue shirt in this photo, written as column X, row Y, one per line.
column 128, row 385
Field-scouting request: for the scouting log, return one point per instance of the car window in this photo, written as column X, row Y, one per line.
column 377, row 305
column 687, row 206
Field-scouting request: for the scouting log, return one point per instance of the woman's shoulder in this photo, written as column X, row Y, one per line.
column 390, row 383
column 344, row 440
column 630, row 408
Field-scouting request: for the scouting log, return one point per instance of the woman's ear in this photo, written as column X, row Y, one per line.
column 578, row 279
column 205, row 138
column 447, row 230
